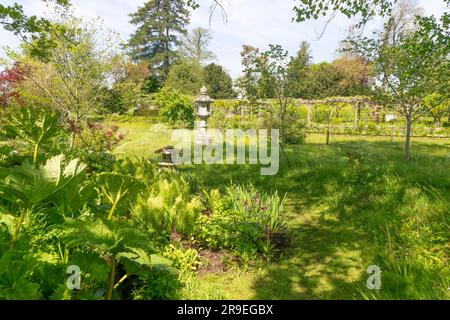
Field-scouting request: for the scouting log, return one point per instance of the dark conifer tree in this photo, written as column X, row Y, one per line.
column 157, row 38
column 218, row 82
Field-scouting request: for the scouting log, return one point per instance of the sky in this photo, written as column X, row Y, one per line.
column 253, row 22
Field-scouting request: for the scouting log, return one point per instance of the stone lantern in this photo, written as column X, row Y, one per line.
column 203, row 103
column 167, row 152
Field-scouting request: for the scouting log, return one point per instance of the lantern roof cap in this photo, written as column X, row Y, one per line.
column 204, row 95
column 165, row 149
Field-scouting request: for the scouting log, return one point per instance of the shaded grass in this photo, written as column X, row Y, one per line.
column 341, row 219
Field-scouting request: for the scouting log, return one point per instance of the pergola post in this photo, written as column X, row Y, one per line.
column 308, row 107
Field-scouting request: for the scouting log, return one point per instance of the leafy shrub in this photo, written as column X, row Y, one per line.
column 38, row 199
column 244, row 220
column 321, row 114
column 111, row 102
column 295, row 130
column 175, row 109
column 186, row 76
column 229, row 106
column 95, row 144
column 99, row 138
column 96, row 161
column 227, row 115
column 381, row 129
column 186, row 261
column 294, row 127
column 157, row 284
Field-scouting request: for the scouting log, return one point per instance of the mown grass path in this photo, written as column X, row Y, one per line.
column 339, row 223
column 327, row 255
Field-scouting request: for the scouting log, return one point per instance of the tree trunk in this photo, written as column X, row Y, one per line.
column 283, row 133
column 437, row 122
column 377, row 116
column 329, row 126
column 408, row 138
column 73, row 132
column 283, row 140
column 167, row 46
column 72, row 140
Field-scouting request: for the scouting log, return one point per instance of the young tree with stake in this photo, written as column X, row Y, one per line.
column 413, row 69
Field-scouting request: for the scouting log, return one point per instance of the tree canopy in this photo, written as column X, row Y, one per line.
column 195, row 45
column 218, row 82
column 157, row 38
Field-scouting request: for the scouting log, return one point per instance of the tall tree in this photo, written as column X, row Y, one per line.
column 256, row 81
column 322, row 81
column 133, row 85
column 157, row 38
column 403, row 21
column 195, row 45
column 218, row 82
column 411, row 70
column 354, row 76
column 411, row 63
column 275, row 64
column 249, row 81
column 298, row 70
column 78, row 68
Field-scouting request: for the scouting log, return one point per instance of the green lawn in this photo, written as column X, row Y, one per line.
column 342, row 218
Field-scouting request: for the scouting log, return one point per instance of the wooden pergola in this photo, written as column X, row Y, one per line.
column 358, row 104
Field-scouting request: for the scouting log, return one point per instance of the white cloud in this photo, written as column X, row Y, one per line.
column 254, row 22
